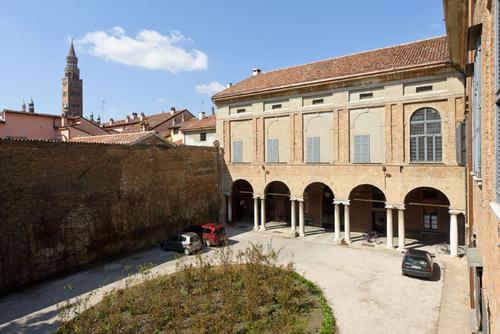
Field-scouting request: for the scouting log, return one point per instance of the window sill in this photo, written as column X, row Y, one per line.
column 495, row 207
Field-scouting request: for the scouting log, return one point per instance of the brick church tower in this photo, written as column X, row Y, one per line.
column 72, row 86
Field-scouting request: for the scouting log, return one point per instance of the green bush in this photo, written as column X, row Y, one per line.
column 247, row 292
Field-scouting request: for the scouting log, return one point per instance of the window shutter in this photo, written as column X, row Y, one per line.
column 357, row 149
column 272, row 150
column 365, row 149
column 238, row 151
column 316, row 149
column 309, row 149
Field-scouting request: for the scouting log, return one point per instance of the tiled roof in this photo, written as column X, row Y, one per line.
column 119, row 138
column 29, row 113
column 194, row 124
column 400, row 57
column 152, row 120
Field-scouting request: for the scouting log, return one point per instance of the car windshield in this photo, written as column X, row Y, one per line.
column 415, row 261
column 219, row 231
column 194, row 238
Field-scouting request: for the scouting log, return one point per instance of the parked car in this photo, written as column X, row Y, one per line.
column 417, row 263
column 187, row 242
column 211, row 234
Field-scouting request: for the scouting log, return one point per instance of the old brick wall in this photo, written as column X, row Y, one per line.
column 64, row 205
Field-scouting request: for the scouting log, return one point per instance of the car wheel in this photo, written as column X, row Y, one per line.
column 186, row 251
column 208, row 243
column 163, row 246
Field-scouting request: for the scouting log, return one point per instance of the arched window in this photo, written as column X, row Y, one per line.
column 426, row 143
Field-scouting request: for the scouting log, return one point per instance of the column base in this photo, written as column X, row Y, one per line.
column 262, row 228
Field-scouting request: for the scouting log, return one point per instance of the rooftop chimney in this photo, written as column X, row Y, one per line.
column 111, row 121
column 134, row 115
column 92, row 117
column 127, row 119
column 172, row 110
column 31, row 106
column 201, row 115
column 98, row 119
column 23, row 106
column 256, row 71
column 142, row 116
column 229, row 84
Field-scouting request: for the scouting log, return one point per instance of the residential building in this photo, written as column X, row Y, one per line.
column 369, row 141
column 473, row 28
column 199, row 131
column 166, row 124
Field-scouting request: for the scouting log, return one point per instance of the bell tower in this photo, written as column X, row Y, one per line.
column 72, row 86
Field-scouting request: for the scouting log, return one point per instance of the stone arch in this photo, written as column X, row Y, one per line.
column 318, row 205
column 242, row 201
column 367, row 206
column 277, row 198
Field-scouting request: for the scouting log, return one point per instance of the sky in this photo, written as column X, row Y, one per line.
column 149, row 56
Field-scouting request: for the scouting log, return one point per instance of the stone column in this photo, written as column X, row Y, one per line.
column 301, row 217
column 454, row 232
column 337, row 219
column 347, row 222
column 229, row 207
column 401, row 228
column 293, row 217
column 255, row 212
column 389, row 228
column 263, row 213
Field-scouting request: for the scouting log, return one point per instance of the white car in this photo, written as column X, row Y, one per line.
column 187, row 242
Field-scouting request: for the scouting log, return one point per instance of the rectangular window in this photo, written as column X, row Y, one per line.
column 318, row 101
column 272, row 150
column 363, row 96
column 203, row 136
column 476, row 111
column 237, row 151
column 361, row 149
column 240, row 110
column 422, row 89
column 430, row 221
column 313, row 150
column 276, row 106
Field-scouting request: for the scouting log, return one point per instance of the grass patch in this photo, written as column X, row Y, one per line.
column 246, row 292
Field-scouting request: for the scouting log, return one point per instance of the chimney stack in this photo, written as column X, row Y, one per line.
column 142, row 116
column 31, row 106
column 172, row 110
column 23, row 106
column 134, row 115
column 229, row 84
column 111, row 121
column 127, row 119
column 256, row 71
column 201, row 115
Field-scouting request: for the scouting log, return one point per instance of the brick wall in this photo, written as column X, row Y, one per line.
column 64, row 205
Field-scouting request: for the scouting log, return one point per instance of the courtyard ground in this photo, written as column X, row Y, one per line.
column 363, row 285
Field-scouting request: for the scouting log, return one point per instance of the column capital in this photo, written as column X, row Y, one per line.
column 399, row 206
column 456, row 212
column 262, row 197
column 256, row 196
column 389, row 206
column 300, row 199
column 341, row 201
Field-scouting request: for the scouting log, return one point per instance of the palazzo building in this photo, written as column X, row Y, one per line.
column 369, row 141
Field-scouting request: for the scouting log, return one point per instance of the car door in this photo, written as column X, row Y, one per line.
column 172, row 242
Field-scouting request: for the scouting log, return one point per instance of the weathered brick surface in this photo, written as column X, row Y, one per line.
column 64, row 205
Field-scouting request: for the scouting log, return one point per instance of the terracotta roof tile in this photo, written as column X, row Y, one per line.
column 119, row 138
column 425, row 52
column 194, row 124
column 152, row 120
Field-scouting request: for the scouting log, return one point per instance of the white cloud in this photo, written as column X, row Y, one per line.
column 210, row 88
column 148, row 49
column 162, row 100
column 435, row 26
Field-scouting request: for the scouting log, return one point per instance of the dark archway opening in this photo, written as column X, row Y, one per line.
column 368, row 213
column 318, row 206
column 278, row 202
column 242, row 201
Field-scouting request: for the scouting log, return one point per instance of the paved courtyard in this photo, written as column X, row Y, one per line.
column 363, row 285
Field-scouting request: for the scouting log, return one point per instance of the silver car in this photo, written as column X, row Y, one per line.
column 187, row 242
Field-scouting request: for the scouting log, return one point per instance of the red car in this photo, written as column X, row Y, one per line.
column 211, row 234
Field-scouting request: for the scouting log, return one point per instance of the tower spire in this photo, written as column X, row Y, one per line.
column 71, row 52
column 72, row 86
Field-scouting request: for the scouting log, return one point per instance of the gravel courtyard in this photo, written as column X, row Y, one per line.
column 363, row 285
